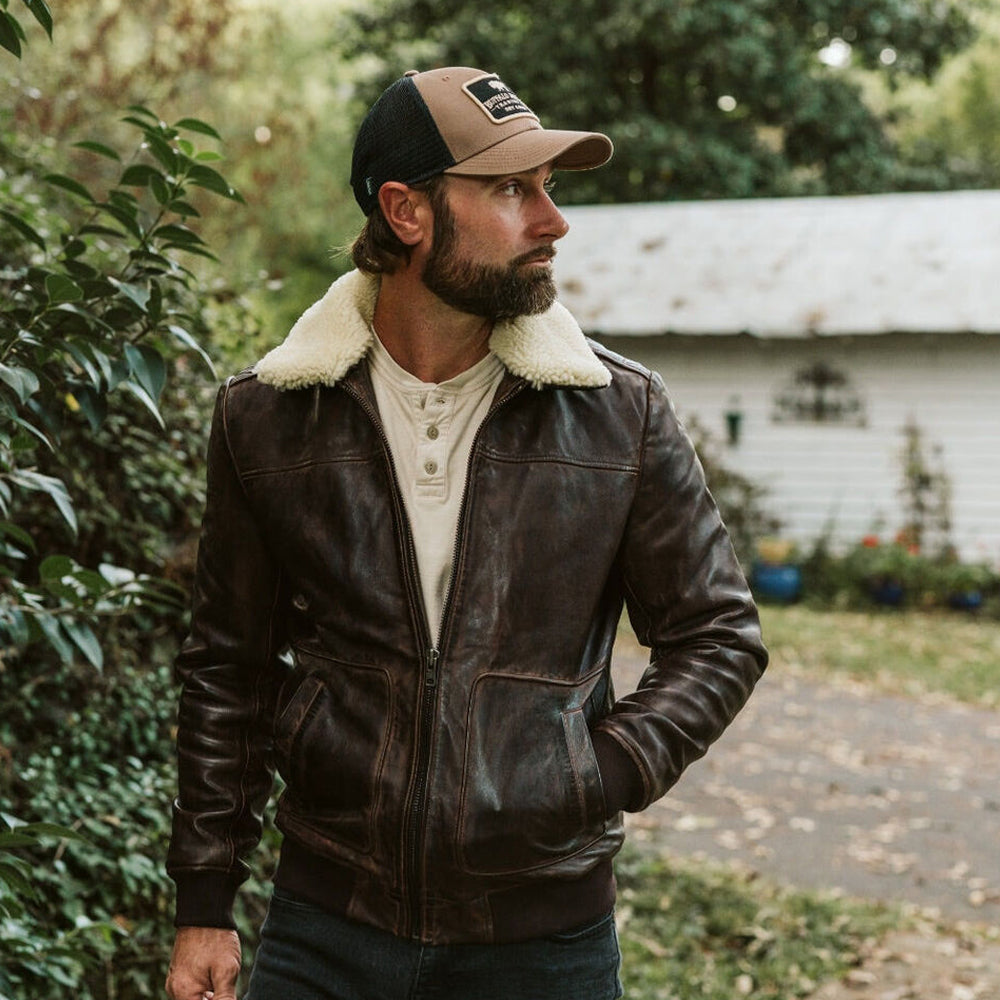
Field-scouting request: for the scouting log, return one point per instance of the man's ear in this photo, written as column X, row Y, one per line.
column 407, row 211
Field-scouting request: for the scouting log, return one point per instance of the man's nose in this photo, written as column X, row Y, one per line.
column 549, row 222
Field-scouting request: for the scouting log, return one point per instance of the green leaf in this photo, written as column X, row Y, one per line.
column 178, row 234
column 9, row 840
column 33, row 430
column 208, row 156
column 14, row 876
column 23, row 381
column 161, row 190
column 188, row 340
column 196, row 125
column 70, row 185
column 139, row 175
column 22, row 227
column 54, row 488
column 93, row 405
column 127, row 219
column 212, row 180
column 54, row 567
column 51, row 830
column 18, row 533
column 183, row 208
column 117, row 576
column 189, row 248
column 59, row 288
column 73, row 247
column 141, row 109
column 163, row 151
column 94, row 229
column 99, row 148
column 155, row 307
column 139, row 294
column 49, row 626
column 42, row 14
column 144, row 397
column 148, row 367
column 11, row 33
column 84, row 639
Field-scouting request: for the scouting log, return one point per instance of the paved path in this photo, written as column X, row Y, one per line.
column 822, row 785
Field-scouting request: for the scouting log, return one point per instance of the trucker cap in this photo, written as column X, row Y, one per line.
column 459, row 120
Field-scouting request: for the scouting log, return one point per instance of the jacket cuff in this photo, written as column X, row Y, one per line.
column 205, row 899
column 623, row 784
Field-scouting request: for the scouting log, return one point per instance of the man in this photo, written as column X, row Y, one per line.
column 425, row 511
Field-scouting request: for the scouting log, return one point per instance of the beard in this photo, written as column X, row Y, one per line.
column 485, row 290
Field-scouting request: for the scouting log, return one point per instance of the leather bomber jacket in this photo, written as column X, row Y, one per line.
column 442, row 784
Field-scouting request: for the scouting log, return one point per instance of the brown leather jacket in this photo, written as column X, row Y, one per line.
column 469, row 791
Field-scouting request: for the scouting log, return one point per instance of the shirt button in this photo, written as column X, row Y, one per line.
column 430, row 467
column 432, row 433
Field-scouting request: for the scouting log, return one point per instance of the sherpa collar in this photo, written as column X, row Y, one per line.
column 334, row 334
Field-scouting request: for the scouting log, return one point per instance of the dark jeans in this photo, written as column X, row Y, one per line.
column 308, row 954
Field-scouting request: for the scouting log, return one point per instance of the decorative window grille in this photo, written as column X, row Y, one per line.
column 819, row 394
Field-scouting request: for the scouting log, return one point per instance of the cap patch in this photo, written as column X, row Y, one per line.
column 496, row 100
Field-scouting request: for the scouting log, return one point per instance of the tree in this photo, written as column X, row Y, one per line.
column 953, row 127
column 703, row 98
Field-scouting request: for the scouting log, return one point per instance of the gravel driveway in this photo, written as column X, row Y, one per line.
column 829, row 785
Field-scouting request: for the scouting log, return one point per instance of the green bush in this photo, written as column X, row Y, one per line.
column 103, row 414
column 897, row 573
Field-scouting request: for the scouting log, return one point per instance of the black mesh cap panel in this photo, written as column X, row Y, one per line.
column 397, row 141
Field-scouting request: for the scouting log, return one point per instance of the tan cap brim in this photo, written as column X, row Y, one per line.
column 536, row 146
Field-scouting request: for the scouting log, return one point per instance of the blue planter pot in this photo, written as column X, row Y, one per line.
column 887, row 592
column 966, row 600
column 776, row 582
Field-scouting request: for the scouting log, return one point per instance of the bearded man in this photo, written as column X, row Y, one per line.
column 426, row 510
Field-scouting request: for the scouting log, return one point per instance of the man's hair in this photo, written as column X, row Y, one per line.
column 377, row 249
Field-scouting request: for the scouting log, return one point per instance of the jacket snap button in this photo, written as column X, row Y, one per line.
column 300, row 602
column 430, row 468
column 432, row 433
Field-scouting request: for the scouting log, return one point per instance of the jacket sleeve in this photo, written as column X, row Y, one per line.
column 227, row 671
column 688, row 600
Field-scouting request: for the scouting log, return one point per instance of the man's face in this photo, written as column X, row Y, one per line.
column 493, row 244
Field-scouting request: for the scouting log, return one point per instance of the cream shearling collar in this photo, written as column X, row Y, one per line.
column 334, row 334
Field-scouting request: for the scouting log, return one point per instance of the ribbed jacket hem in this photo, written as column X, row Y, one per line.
column 535, row 909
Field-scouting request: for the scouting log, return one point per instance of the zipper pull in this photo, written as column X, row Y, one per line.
column 431, row 668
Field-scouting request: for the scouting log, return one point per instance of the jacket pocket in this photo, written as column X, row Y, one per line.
column 531, row 791
column 330, row 744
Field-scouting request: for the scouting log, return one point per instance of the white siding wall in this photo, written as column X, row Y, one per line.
column 844, row 476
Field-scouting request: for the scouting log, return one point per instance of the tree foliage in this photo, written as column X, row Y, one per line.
column 953, row 127
column 706, row 99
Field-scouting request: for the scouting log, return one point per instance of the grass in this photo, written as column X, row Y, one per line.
column 703, row 931
column 900, row 652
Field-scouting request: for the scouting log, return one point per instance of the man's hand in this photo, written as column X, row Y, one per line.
column 204, row 965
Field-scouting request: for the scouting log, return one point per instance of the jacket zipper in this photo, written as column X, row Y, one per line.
column 430, row 657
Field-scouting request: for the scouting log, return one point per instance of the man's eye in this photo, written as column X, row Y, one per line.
column 511, row 188
column 550, row 185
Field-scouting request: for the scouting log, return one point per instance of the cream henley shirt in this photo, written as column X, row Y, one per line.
column 430, row 428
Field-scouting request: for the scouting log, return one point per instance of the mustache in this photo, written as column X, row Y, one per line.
column 542, row 253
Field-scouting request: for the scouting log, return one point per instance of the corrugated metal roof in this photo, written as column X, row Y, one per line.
column 786, row 267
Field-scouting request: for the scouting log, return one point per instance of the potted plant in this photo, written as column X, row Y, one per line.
column 776, row 575
column 964, row 585
column 884, row 573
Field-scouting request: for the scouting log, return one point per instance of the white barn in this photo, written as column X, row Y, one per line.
column 820, row 327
